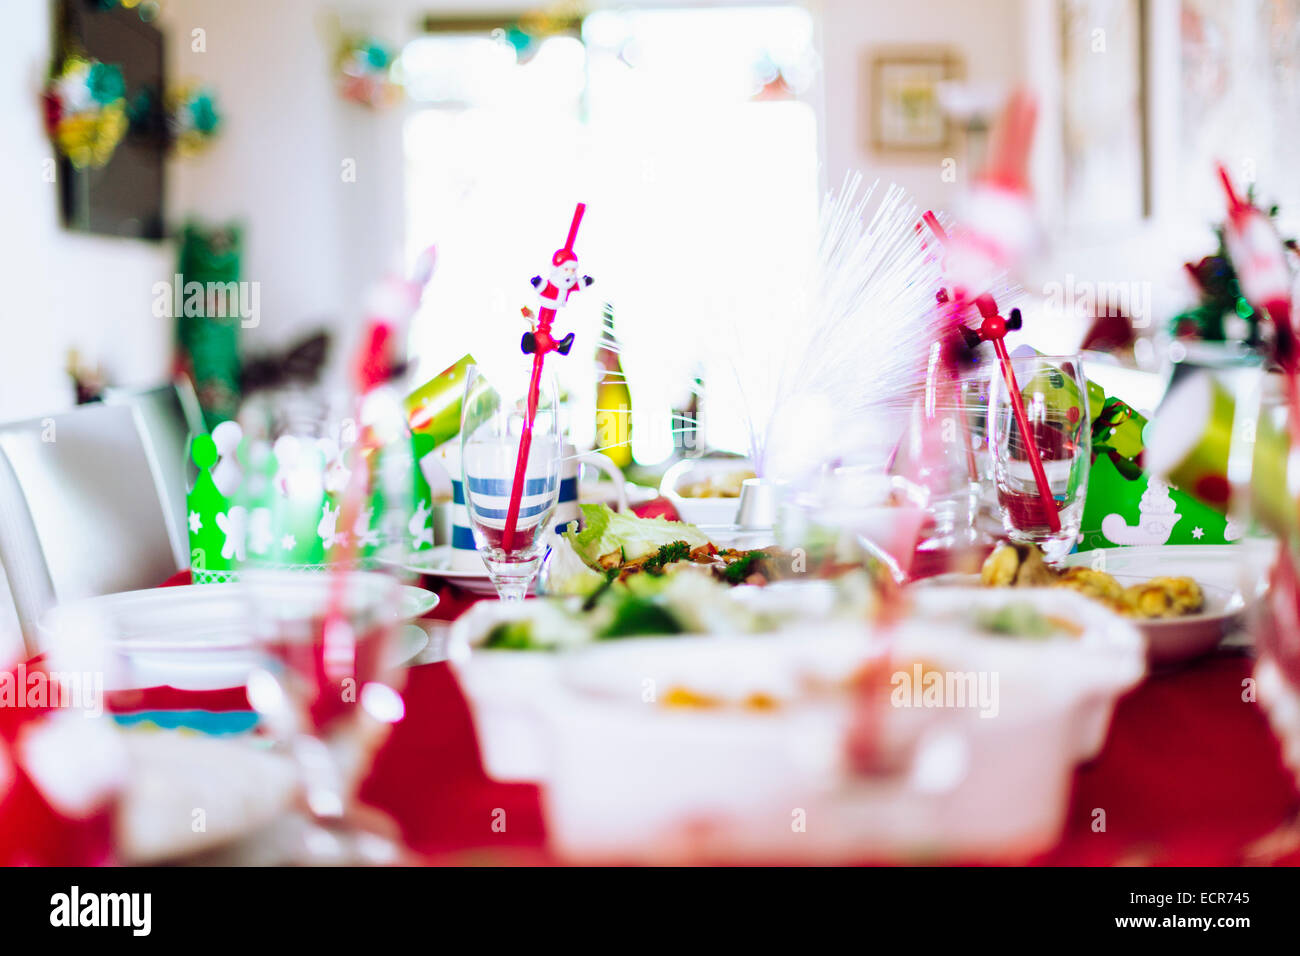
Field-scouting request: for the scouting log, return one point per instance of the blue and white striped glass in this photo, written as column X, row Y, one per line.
column 492, row 426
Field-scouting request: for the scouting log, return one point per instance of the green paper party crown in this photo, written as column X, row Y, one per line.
column 433, row 412
column 257, row 506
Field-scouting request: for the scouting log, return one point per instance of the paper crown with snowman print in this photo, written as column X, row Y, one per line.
column 277, row 506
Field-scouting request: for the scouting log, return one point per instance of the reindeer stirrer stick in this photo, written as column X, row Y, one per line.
column 993, row 329
column 998, row 235
column 1259, row 256
column 553, row 294
column 378, row 360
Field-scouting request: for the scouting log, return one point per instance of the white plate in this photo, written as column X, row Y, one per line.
column 409, row 641
column 240, row 786
column 1226, row 573
column 194, row 637
column 436, row 563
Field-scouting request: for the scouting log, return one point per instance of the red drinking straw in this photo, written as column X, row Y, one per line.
column 539, row 342
column 374, row 364
column 994, row 329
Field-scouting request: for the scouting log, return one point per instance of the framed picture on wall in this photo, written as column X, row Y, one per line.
column 903, row 93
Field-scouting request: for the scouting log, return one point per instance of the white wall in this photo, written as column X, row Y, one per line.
column 274, row 167
column 59, row 289
column 986, row 34
column 313, row 241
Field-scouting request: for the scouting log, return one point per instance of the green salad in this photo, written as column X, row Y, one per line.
column 648, row 605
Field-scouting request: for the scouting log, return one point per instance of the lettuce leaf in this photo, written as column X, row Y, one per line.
column 605, row 531
column 566, row 573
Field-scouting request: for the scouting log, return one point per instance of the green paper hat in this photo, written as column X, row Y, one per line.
column 434, row 410
column 1119, row 512
column 279, row 515
column 1190, row 440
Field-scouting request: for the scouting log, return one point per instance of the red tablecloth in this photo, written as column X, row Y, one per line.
column 1190, row 774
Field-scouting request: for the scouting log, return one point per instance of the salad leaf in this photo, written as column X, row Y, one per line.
column 636, row 616
column 605, row 531
column 512, row 635
column 1016, row 620
column 567, row 573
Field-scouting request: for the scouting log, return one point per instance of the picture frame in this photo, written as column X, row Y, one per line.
column 904, row 114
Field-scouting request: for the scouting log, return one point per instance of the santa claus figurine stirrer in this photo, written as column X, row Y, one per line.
column 553, row 293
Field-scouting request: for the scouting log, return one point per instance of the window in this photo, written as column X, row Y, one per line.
column 689, row 134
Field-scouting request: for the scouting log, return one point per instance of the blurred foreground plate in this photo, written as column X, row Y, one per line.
column 195, row 637
column 237, row 786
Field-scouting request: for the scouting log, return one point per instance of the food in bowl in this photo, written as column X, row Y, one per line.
column 648, row 605
column 613, row 547
column 723, row 485
column 1022, row 565
column 683, row 698
column 1023, row 620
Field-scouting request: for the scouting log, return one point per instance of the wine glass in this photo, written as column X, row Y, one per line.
column 323, row 497
column 326, row 690
column 499, row 451
column 1055, row 400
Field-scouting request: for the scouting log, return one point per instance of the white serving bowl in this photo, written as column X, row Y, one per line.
column 1107, row 659
column 627, row 779
column 702, row 511
column 503, row 689
column 633, row 781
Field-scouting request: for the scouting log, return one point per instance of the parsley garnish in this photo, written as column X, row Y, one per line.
column 668, row 553
column 742, row 568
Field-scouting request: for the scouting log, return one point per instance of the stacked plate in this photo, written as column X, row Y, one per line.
column 196, row 637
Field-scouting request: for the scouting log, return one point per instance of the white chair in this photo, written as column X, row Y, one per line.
column 80, row 513
column 168, row 415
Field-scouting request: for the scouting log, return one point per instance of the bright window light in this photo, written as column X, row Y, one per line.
column 685, row 133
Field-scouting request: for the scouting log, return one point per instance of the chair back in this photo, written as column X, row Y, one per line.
column 168, row 415
column 80, row 514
